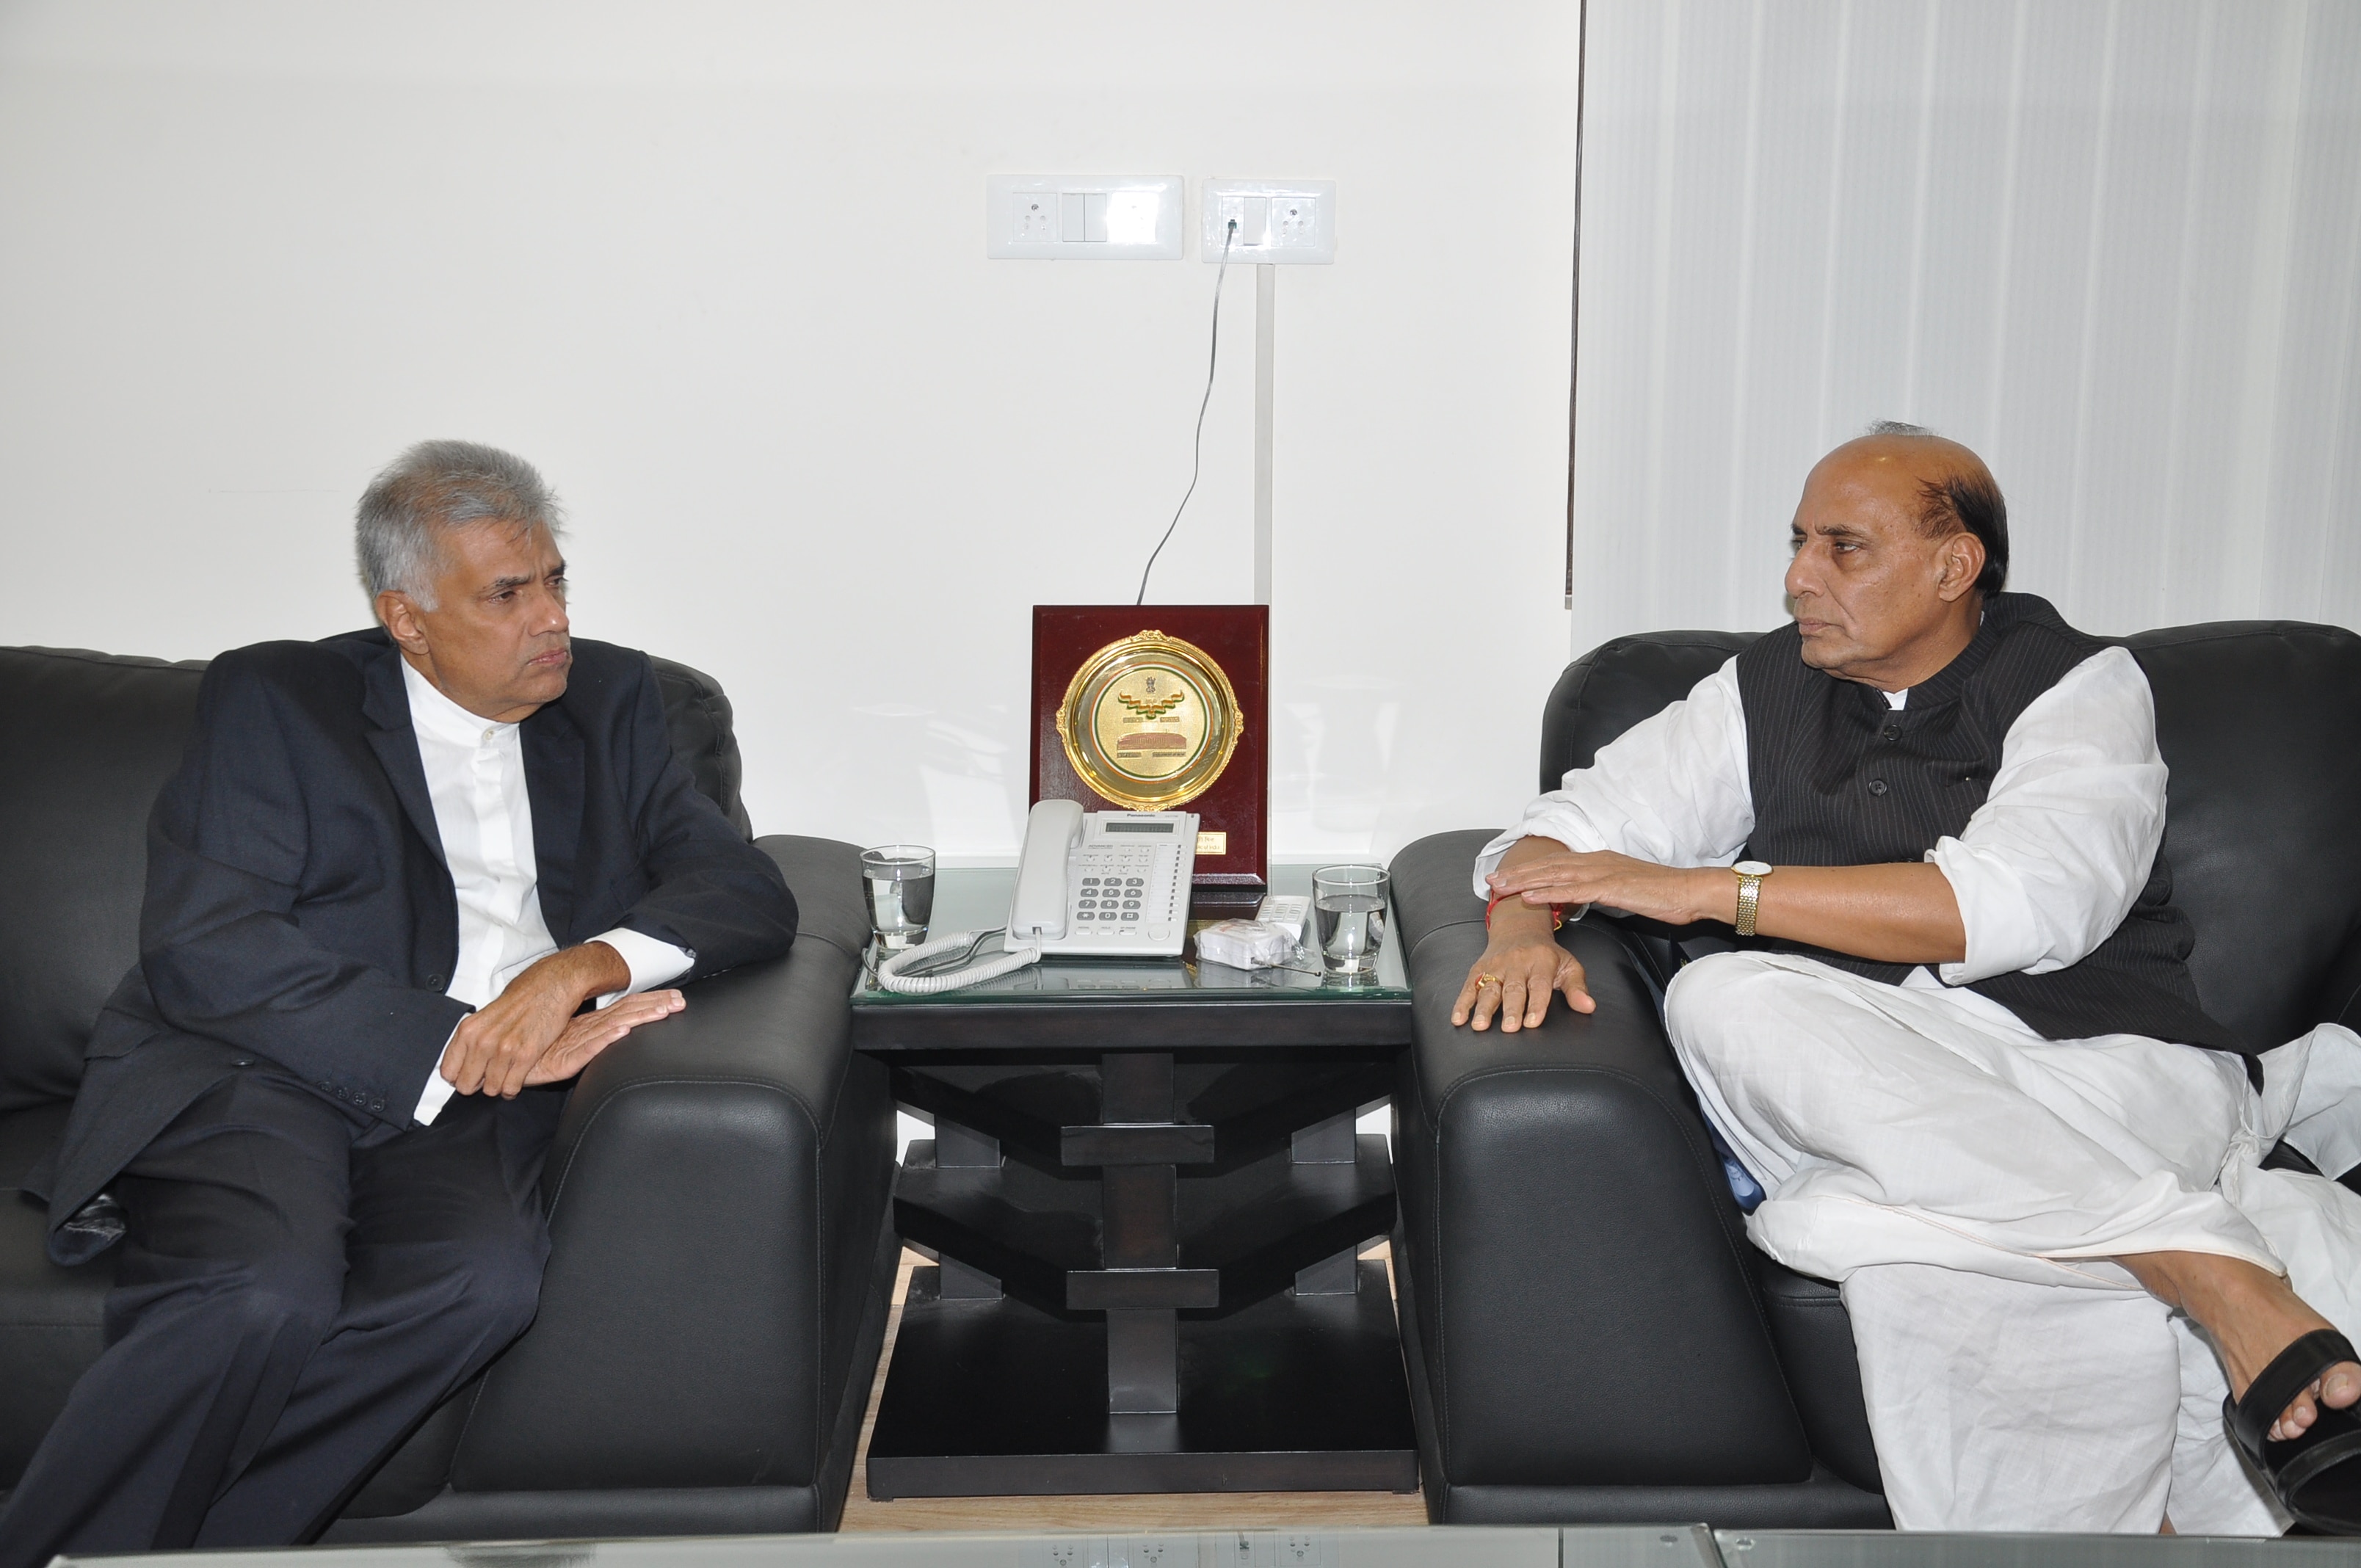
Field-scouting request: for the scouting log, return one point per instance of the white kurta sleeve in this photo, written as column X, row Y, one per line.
column 1671, row 789
column 2056, row 856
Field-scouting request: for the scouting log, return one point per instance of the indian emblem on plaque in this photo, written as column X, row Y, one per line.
column 1149, row 721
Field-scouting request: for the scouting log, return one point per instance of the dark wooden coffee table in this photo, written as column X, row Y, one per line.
column 1148, row 1199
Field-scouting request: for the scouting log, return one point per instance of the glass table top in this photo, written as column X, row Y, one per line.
column 975, row 899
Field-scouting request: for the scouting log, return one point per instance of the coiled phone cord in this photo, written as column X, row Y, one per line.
column 890, row 976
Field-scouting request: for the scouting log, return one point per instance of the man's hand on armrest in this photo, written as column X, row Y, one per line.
column 529, row 1033
column 585, row 1036
column 1521, row 963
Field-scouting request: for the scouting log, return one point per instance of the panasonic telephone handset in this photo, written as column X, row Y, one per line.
column 1104, row 884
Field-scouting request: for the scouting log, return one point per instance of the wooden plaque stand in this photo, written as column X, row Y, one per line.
column 1237, row 804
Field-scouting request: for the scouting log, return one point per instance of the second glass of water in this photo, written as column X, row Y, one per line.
column 1348, row 911
column 900, row 878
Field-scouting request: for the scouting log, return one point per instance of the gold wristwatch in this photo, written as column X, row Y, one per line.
column 1749, row 892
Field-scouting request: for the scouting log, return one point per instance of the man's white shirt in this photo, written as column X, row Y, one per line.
column 2044, row 870
column 475, row 776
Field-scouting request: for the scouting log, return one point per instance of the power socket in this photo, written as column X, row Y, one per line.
column 1159, row 1551
column 1279, row 220
column 1034, row 217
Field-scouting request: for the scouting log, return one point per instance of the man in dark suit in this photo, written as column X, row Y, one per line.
column 392, row 872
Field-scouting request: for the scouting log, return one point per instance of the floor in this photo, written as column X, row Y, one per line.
column 1200, row 1511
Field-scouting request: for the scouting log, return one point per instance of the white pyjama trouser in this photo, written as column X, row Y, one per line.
column 1966, row 1183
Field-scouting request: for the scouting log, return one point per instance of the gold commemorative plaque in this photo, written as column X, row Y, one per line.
column 1149, row 721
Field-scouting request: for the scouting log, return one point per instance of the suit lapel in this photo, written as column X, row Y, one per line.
column 387, row 706
column 553, row 782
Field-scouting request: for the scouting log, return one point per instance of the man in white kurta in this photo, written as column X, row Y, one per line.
column 1971, row 1183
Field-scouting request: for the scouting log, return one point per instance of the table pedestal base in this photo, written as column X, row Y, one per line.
column 1296, row 1393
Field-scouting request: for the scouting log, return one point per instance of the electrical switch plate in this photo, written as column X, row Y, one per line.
column 1273, row 1548
column 1279, row 220
column 1066, row 1552
column 1084, row 217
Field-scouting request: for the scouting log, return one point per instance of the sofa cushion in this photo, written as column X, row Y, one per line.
column 86, row 740
column 698, row 722
column 1620, row 682
column 2260, row 723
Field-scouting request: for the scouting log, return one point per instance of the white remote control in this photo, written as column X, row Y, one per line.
column 1286, row 911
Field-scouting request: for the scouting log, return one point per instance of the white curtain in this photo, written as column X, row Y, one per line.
column 2113, row 244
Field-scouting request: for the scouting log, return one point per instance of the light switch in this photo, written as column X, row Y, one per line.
column 1084, row 217
column 1253, row 220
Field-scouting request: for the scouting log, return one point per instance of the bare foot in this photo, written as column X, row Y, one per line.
column 2252, row 1315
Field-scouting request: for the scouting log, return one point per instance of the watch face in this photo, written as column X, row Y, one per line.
column 1752, row 868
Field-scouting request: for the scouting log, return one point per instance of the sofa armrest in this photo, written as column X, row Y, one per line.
column 1576, row 1270
column 716, row 1192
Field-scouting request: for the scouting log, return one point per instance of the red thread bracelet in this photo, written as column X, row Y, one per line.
column 1557, row 912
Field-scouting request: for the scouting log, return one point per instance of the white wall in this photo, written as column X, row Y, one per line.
column 2114, row 244
column 249, row 250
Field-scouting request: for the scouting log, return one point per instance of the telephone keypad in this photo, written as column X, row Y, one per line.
column 1109, row 904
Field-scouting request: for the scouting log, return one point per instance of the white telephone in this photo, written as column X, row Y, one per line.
column 1104, row 884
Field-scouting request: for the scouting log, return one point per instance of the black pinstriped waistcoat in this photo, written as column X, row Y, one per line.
column 1839, row 779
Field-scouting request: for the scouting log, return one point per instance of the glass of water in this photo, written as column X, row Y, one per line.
column 900, row 878
column 1348, row 911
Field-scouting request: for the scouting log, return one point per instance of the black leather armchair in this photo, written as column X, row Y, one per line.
column 694, row 1377
column 1591, row 1336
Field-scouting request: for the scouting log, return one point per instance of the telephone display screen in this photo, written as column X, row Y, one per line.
column 1138, row 828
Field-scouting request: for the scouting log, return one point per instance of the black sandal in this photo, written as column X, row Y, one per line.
column 2317, row 1473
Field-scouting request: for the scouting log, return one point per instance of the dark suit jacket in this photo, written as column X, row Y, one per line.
column 297, row 908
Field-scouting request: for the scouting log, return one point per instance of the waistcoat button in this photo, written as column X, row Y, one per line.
column 1877, row 786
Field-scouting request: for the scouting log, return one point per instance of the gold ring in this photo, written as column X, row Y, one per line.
column 1484, row 979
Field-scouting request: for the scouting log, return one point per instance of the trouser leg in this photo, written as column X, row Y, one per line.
column 1967, row 1183
column 2000, row 1405
column 1891, row 1127
column 232, row 1272
column 445, row 1257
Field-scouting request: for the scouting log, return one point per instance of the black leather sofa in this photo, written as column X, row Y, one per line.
column 722, row 1256
column 1591, row 1336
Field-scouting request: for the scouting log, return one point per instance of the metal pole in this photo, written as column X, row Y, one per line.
column 1574, row 376
column 1266, row 309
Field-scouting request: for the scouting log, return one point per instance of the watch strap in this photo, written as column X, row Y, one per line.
column 1750, row 900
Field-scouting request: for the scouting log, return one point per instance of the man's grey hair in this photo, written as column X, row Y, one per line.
column 434, row 485
column 1897, row 427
